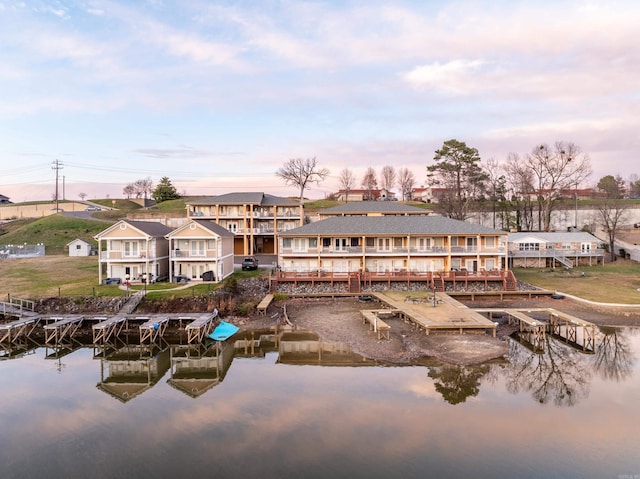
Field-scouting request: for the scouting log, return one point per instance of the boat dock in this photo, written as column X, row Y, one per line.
column 575, row 331
column 435, row 312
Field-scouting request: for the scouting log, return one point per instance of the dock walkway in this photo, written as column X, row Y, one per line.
column 376, row 324
column 436, row 313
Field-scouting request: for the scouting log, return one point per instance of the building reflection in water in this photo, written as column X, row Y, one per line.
column 558, row 374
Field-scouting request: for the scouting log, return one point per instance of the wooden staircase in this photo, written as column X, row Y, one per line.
column 509, row 282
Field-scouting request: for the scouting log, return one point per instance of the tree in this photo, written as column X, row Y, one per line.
column 634, row 186
column 612, row 208
column 129, row 190
column 164, row 191
column 520, row 191
column 82, row 196
column 346, row 181
column 369, row 182
column 496, row 187
column 406, row 181
column 562, row 167
column 143, row 188
column 457, row 171
column 300, row 172
column 388, row 177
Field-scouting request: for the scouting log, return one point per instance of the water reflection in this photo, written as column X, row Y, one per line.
column 554, row 373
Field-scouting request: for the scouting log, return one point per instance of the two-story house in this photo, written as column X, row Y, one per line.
column 254, row 218
column 133, row 251
column 556, row 248
column 391, row 244
column 200, row 250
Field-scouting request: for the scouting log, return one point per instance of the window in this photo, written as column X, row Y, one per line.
column 384, row 244
column 197, row 248
column 529, row 246
column 313, row 242
column 490, row 242
column 424, row 244
column 131, row 248
column 78, row 247
column 286, row 242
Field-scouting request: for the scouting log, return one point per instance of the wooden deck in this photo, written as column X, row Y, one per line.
column 356, row 281
column 436, row 313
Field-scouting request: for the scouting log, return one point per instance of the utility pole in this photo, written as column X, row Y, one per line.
column 57, row 165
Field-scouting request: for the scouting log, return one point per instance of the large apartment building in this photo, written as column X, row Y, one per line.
column 254, row 218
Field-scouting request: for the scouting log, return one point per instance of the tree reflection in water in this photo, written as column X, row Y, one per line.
column 457, row 383
column 560, row 375
column 614, row 358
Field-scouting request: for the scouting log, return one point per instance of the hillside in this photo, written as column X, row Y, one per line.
column 54, row 231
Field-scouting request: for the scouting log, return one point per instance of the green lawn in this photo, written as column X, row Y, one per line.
column 612, row 283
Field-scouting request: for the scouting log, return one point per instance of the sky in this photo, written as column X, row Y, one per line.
column 217, row 95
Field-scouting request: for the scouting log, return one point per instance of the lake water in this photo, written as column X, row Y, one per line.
column 265, row 414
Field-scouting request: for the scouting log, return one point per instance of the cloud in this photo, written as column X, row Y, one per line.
column 455, row 77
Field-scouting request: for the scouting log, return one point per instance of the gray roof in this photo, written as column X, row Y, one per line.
column 215, row 228
column 242, row 198
column 152, row 228
column 389, row 225
column 553, row 236
column 362, row 207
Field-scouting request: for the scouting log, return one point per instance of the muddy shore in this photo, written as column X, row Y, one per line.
column 339, row 320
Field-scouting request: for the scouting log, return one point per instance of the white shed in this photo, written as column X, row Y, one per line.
column 80, row 247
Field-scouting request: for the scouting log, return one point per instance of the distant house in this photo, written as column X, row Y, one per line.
column 364, row 195
column 373, row 208
column 428, row 195
column 200, row 250
column 551, row 249
column 80, row 247
column 134, row 251
column 4, row 200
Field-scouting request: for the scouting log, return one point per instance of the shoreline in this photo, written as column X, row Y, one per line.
column 338, row 319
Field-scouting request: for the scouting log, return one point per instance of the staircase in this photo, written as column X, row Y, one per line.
column 563, row 260
column 509, row 282
column 130, row 305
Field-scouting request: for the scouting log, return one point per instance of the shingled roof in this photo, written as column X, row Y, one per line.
column 244, row 198
column 365, row 207
column 390, row 225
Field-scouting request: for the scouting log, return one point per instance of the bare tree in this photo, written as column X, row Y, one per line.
column 388, row 177
column 521, row 191
column 612, row 208
column 82, row 196
column 129, row 190
column 406, row 181
column 555, row 169
column 300, row 172
column 369, row 182
column 496, row 188
column 143, row 187
column 346, row 181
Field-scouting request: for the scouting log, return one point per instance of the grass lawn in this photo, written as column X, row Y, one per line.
column 612, row 283
column 48, row 276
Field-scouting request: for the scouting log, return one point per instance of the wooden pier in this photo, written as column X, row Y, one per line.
column 200, row 327
column 62, row 328
column 377, row 324
column 152, row 330
column 437, row 312
column 575, row 331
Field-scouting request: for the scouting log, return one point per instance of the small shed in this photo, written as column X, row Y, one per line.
column 80, row 247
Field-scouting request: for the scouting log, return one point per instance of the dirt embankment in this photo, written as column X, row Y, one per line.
column 339, row 320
